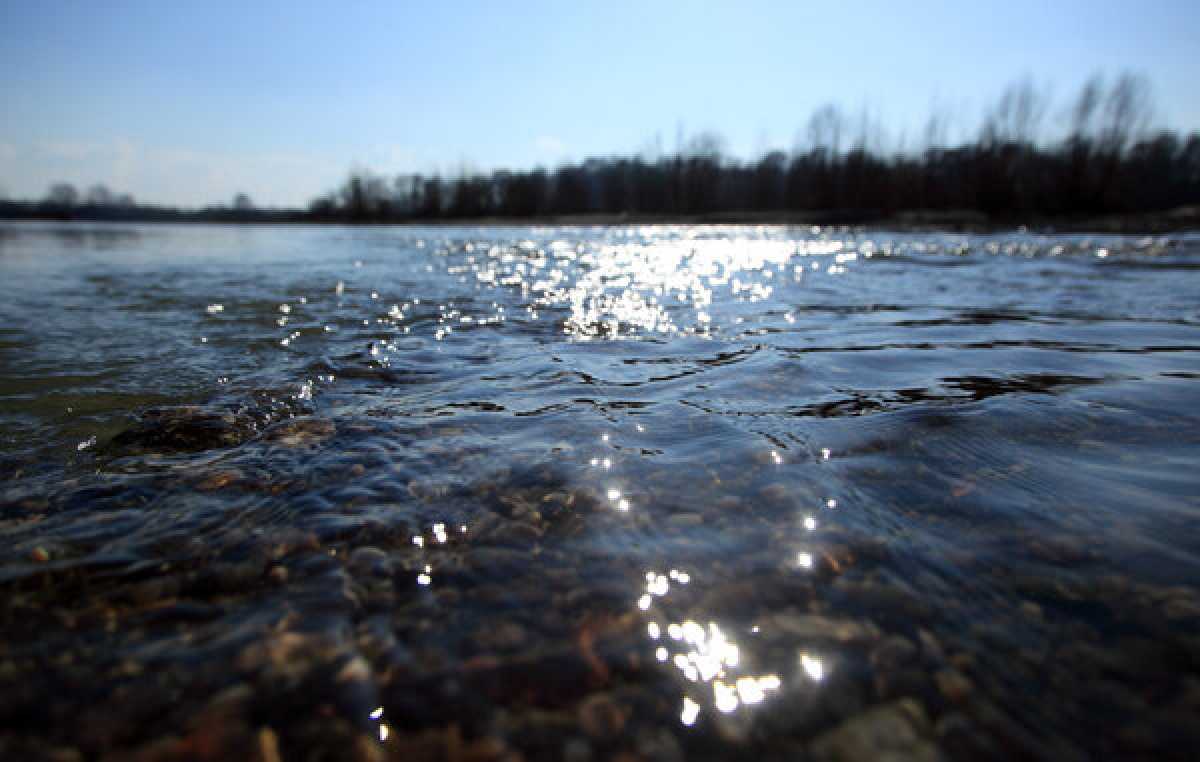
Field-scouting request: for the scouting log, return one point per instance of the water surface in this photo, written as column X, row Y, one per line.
column 572, row 493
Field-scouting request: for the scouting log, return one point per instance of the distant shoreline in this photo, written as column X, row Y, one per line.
column 1175, row 220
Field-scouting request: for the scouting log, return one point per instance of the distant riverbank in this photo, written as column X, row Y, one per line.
column 1172, row 220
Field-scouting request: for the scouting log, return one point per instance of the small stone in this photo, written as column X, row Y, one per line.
column 729, row 503
column 600, row 716
column 931, row 646
column 1182, row 608
column 953, row 684
column 218, row 480
column 268, row 746
column 514, row 534
column 356, row 670
column 485, row 749
column 816, row 627
column 302, row 432
column 894, row 652
column 897, row 732
column 183, row 429
column 659, row 744
column 369, row 561
column 577, row 750
column 775, row 493
column 367, row 749
column 505, row 636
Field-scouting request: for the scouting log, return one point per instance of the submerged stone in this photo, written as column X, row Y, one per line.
column 896, row 732
column 183, row 429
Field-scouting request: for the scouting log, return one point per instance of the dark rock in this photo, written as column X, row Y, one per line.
column 182, row 429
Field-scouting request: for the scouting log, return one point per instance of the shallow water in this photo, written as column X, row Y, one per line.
column 572, row 493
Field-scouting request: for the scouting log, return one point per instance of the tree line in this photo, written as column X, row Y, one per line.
column 1108, row 160
column 63, row 201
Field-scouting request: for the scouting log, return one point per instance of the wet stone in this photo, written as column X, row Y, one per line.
column 181, row 430
column 517, row 534
column 369, row 562
column 601, row 717
column 896, row 732
column 953, row 685
column 894, row 652
column 817, row 627
column 502, row 636
column 301, row 432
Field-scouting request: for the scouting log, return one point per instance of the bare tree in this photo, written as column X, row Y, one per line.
column 1126, row 114
column 63, row 195
column 1017, row 117
column 1083, row 111
column 936, row 129
column 825, row 129
column 99, row 195
column 707, row 145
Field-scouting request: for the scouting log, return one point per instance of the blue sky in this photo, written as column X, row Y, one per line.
column 191, row 102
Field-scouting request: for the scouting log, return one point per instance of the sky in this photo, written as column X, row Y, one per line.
column 191, row 102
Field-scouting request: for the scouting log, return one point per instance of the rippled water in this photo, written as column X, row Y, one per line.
column 673, row 492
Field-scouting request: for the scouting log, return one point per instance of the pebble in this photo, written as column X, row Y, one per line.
column 1031, row 610
column 896, row 732
column 268, row 746
column 576, row 750
column 218, row 480
column 953, row 685
column 502, row 636
column 775, row 493
column 355, row 671
column 369, row 561
column 301, row 432
column 817, row 627
column 601, row 717
column 894, row 652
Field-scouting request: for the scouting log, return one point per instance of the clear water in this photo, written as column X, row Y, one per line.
column 572, row 492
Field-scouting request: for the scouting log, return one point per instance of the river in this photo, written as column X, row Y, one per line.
column 570, row 493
